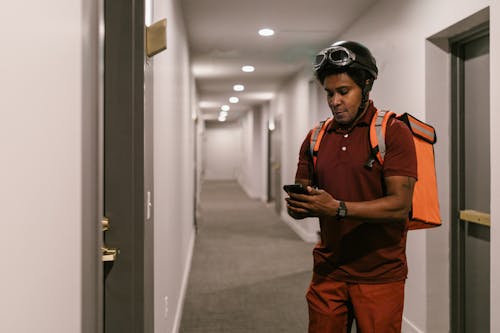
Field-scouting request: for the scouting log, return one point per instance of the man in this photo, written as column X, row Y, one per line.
column 359, row 263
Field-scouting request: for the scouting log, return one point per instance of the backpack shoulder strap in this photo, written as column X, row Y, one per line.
column 316, row 136
column 378, row 127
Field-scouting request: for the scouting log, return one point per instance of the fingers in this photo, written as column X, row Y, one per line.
column 297, row 210
column 296, row 205
column 297, row 213
column 315, row 191
column 308, row 205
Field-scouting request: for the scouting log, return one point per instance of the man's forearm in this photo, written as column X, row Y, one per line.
column 386, row 209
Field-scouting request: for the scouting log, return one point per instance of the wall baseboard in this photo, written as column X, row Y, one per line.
column 185, row 279
column 409, row 327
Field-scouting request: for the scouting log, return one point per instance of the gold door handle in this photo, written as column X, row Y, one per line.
column 105, row 224
column 474, row 216
column 109, row 254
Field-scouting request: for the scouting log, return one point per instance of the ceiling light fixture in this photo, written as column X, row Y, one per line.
column 266, row 32
column 222, row 116
column 248, row 69
column 225, row 107
column 238, row 87
column 234, row 99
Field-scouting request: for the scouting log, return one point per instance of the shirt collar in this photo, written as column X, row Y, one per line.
column 363, row 121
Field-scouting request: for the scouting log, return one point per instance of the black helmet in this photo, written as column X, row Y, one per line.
column 345, row 54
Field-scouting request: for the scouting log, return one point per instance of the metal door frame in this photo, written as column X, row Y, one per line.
column 457, row 196
column 124, row 148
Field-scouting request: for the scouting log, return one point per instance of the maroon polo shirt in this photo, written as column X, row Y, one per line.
column 356, row 251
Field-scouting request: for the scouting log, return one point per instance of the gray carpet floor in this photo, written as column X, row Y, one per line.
column 249, row 272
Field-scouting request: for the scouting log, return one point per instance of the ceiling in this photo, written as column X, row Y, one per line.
column 223, row 36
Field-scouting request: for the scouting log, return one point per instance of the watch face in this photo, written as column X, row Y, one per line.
column 342, row 210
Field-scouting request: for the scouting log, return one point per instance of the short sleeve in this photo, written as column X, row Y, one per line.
column 305, row 168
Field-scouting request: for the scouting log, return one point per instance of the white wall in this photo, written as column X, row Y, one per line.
column 222, row 149
column 293, row 104
column 245, row 165
column 45, row 122
column 174, row 135
column 399, row 45
column 49, row 196
column 254, row 152
column 258, row 154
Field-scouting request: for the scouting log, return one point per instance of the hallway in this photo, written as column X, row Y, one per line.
column 249, row 271
column 116, row 113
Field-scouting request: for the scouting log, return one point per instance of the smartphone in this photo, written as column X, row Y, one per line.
column 295, row 188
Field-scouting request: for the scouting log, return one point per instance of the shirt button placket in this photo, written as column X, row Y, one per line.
column 344, row 148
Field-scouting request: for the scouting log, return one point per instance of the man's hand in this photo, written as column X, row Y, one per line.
column 315, row 204
column 393, row 207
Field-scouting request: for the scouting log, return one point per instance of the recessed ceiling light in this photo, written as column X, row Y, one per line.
column 222, row 118
column 248, row 69
column 225, row 107
column 266, row 32
column 238, row 87
column 223, row 114
column 234, row 99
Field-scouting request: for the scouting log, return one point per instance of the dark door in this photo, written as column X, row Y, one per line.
column 123, row 174
column 471, row 186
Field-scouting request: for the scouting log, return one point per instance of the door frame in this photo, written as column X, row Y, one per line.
column 124, row 298
column 91, row 180
column 457, row 195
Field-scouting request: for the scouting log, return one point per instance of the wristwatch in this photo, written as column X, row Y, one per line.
column 342, row 210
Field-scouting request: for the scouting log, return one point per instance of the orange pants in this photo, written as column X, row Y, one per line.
column 377, row 308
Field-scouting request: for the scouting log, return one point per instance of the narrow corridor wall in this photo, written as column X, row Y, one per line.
column 48, row 169
column 253, row 152
column 292, row 106
column 174, row 175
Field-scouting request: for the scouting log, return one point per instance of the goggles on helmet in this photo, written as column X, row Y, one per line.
column 336, row 55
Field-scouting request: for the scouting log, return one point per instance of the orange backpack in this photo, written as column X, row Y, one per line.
column 425, row 203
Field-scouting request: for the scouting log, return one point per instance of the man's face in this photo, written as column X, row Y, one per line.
column 344, row 97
